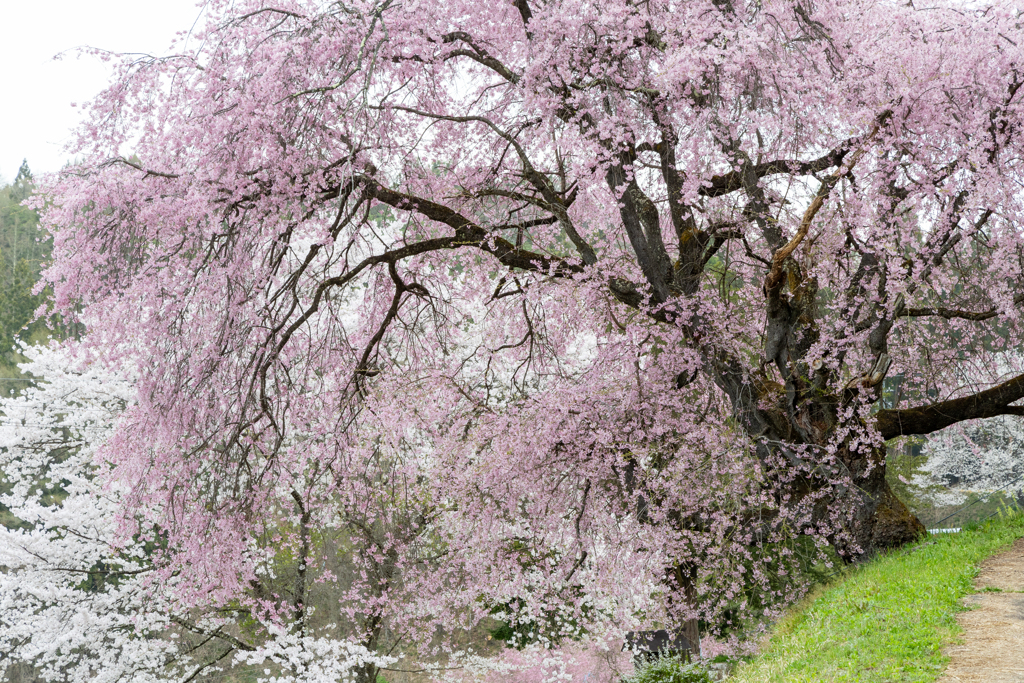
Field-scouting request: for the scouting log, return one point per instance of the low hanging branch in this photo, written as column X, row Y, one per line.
column 931, row 418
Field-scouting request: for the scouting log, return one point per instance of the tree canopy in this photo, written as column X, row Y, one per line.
column 588, row 306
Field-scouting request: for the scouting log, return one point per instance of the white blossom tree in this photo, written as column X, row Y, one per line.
column 83, row 597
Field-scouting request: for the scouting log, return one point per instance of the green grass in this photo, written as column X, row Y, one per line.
column 885, row 621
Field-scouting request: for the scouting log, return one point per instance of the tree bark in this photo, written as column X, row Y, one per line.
column 931, row 418
column 885, row 520
column 881, row 520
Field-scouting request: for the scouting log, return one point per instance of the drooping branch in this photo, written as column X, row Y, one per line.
column 466, row 234
column 218, row 633
column 363, row 368
column 878, row 338
column 553, row 202
column 299, row 591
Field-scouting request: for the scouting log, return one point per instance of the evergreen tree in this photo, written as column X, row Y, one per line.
column 23, row 251
column 24, row 182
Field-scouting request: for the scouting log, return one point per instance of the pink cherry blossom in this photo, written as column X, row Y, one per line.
column 581, row 309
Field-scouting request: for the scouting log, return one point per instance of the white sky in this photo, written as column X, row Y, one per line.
column 36, row 92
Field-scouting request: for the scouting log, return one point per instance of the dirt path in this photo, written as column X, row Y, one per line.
column 993, row 647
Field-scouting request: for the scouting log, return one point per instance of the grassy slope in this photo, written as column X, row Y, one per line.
column 885, row 621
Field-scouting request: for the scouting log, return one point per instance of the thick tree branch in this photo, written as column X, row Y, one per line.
column 524, row 11
column 478, row 55
column 467, row 233
column 927, row 419
column 730, row 182
column 642, row 224
column 949, row 313
column 819, row 200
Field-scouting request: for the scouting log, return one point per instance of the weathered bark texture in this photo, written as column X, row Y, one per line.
column 882, row 520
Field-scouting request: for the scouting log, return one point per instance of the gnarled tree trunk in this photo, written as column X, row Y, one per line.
column 881, row 519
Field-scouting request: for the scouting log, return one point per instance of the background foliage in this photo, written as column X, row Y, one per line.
column 24, row 249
